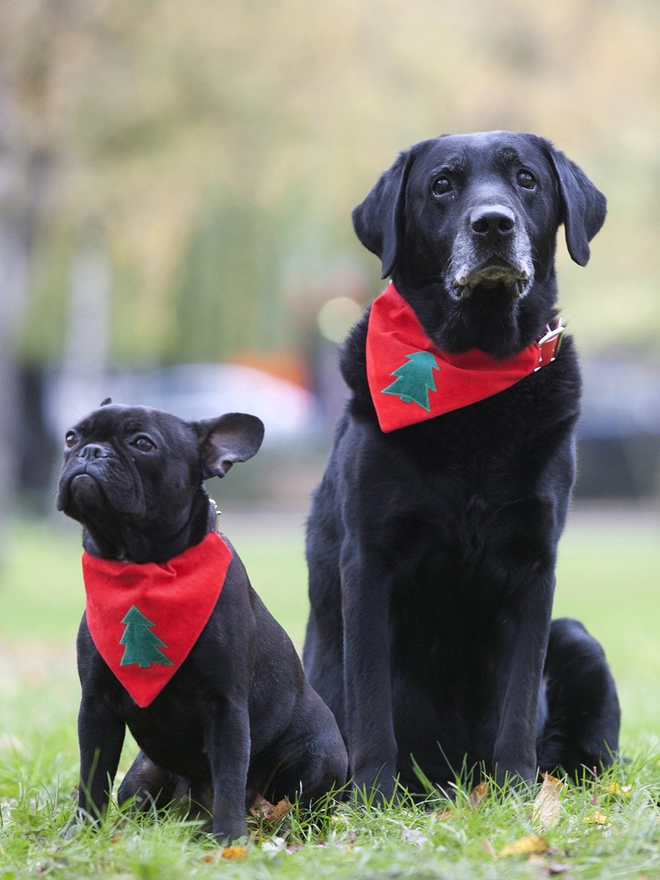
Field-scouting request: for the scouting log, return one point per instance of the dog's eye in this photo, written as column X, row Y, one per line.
column 70, row 439
column 144, row 444
column 526, row 180
column 441, row 186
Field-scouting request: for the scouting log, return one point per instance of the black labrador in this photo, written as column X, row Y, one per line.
column 432, row 545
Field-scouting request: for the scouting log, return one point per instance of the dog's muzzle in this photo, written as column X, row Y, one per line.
column 514, row 280
column 492, row 252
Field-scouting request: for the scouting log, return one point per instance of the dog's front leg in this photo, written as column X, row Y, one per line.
column 372, row 749
column 100, row 737
column 227, row 742
column 522, row 646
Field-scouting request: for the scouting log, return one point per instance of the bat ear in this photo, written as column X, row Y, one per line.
column 378, row 220
column 227, row 439
column 583, row 207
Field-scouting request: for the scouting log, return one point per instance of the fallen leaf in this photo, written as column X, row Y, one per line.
column 209, row 858
column 539, row 862
column 444, row 815
column 619, row 790
column 596, row 818
column 275, row 844
column 263, row 809
column 477, row 794
column 487, row 847
column 546, row 810
column 527, row 845
column 417, row 838
column 546, row 868
column 235, row 853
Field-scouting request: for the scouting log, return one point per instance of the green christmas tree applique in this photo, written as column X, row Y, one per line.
column 142, row 646
column 415, row 379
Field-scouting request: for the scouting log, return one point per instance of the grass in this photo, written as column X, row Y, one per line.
column 607, row 576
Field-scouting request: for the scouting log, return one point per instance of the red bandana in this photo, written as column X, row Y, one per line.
column 145, row 619
column 411, row 380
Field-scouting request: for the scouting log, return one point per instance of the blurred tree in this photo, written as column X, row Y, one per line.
column 25, row 163
column 205, row 134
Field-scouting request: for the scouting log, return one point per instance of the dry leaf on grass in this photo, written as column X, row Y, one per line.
column 547, row 807
column 443, row 815
column 487, row 847
column 235, row 853
column 274, row 844
column 619, row 790
column 477, row 794
column 417, row 838
column 546, row 868
column 540, row 863
column 596, row 818
column 263, row 809
column 527, row 845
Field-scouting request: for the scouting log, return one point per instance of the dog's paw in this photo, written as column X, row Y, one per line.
column 228, row 832
column 374, row 789
column 522, row 779
column 81, row 817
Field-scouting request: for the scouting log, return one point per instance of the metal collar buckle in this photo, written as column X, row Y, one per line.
column 550, row 343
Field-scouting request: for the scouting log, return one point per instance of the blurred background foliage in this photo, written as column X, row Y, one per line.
column 214, row 150
column 176, row 179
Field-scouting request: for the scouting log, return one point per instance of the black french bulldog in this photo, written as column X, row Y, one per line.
column 237, row 717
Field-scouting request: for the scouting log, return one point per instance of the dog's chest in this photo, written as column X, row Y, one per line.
column 478, row 495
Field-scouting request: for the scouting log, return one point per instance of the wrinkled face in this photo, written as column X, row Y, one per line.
column 119, row 466
column 481, row 213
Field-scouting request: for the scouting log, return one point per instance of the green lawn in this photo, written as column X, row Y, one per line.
column 607, row 577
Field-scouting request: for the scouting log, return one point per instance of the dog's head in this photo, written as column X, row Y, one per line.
column 133, row 477
column 466, row 226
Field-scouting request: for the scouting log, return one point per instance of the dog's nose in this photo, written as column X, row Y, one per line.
column 92, row 451
column 492, row 221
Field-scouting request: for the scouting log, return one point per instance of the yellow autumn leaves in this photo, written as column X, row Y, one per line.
column 547, row 810
column 551, row 803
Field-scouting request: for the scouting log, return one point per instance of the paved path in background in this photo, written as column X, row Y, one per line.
column 610, row 515
column 591, row 516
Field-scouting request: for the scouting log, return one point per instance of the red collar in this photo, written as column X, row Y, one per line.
column 429, row 382
column 145, row 619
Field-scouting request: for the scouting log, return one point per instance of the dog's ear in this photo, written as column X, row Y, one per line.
column 377, row 221
column 106, row 401
column 222, row 441
column 583, row 207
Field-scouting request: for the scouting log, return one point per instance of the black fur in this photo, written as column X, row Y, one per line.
column 432, row 549
column 239, row 717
